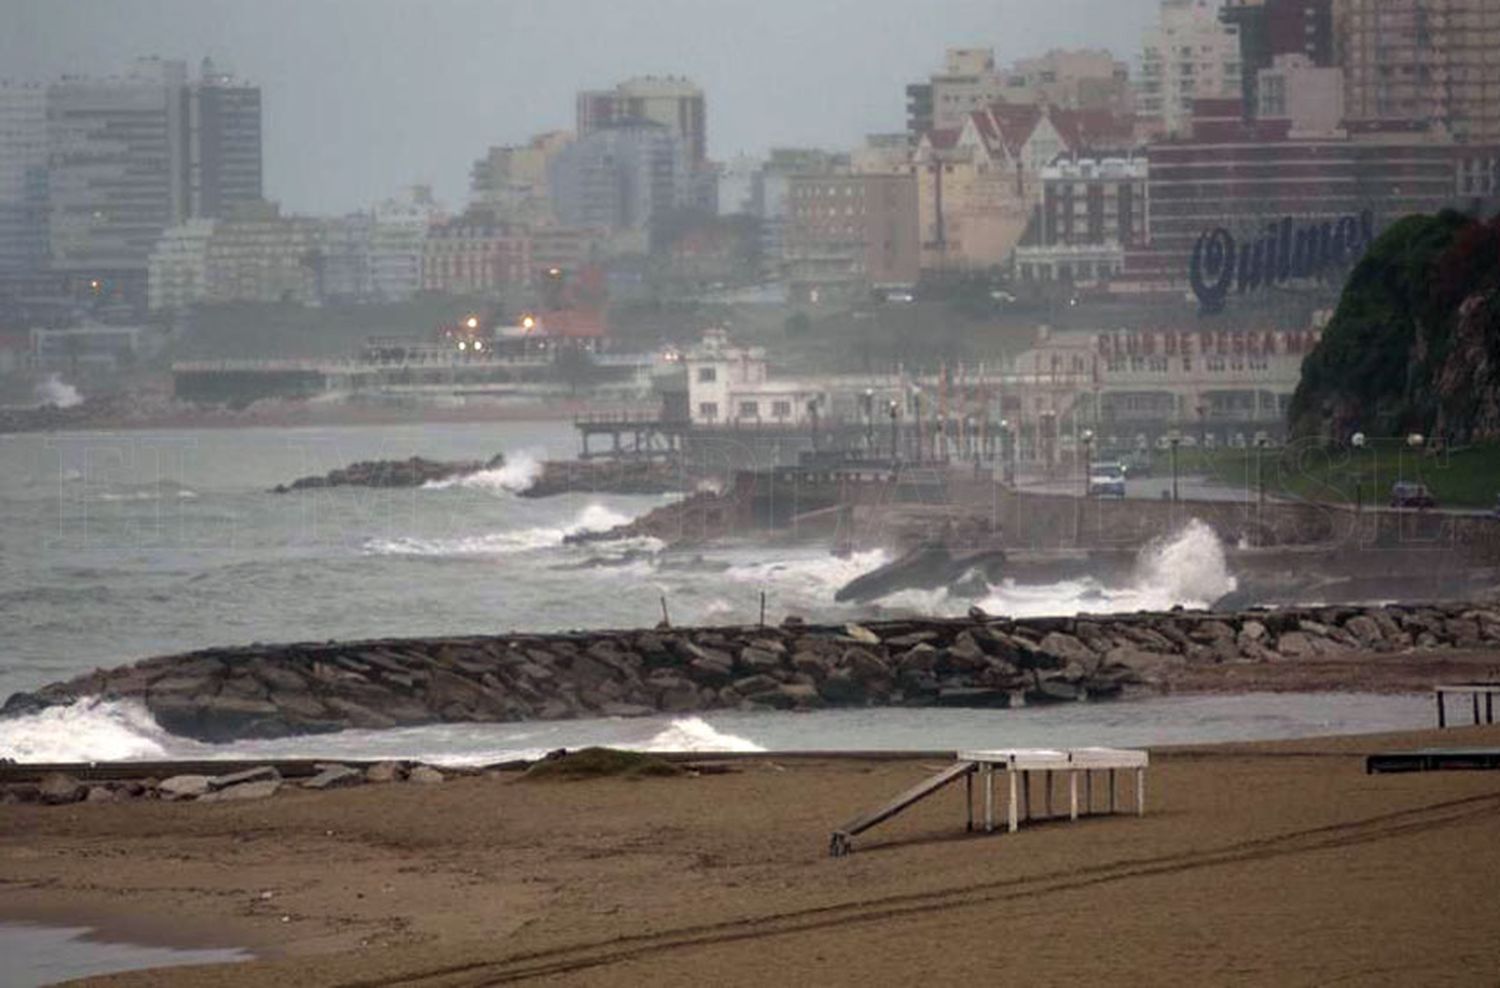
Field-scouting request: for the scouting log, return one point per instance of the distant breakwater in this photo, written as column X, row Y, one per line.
column 262, row 691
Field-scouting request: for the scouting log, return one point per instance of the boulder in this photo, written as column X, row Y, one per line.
column 1065, row 648
column 1365, row 629
column 261, row 789
column 335, row 777
column 184, row 787
column 753, row 686
column 1295, row 645
column 842, row 688
column 710, row 670
column 811, row 664
column 861, row 634
column 755, row 659
column 262, row 773
column 864, row 665
column 57, row 789
column 965, row 655
column 922, row 657
column 1251, row 630
column 618, row 709
column 424, row 774
column 385, row 772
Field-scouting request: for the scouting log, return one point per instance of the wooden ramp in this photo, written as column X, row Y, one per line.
column 841, row 843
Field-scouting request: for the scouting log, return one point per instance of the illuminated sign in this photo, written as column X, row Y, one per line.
column 1284, row 251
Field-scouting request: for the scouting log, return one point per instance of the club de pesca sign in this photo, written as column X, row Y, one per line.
column 1221, row 265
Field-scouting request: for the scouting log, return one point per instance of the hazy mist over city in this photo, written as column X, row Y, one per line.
column 800, row 428
column 362, row 97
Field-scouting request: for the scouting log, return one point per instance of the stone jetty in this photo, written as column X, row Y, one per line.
column 412, row 472
column 223, row 694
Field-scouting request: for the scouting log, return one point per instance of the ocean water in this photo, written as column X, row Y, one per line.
column 32, row 955
column 118, row 546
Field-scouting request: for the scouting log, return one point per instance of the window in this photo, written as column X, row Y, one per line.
column 707, row 375
column 781, row 409
column 708, row 410
column 749, row 409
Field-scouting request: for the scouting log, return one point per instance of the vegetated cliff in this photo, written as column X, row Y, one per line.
column 1415, row 342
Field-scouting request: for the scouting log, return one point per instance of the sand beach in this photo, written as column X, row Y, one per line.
column 1267, row 863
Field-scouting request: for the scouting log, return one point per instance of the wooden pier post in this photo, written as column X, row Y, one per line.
column 1442, row 714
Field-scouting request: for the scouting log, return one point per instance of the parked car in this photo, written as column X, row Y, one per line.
column 1107, row 480
column 1409, row 495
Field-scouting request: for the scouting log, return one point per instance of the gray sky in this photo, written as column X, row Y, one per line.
column 364, row 96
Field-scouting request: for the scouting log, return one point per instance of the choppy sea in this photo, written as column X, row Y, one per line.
column 122, row 545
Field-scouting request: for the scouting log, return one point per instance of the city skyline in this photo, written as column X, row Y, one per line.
column 372, row 130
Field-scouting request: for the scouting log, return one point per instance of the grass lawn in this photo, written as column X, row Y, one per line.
column 1468, row 477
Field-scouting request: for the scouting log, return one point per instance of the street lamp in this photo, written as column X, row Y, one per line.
column 1088, row 444
column 895, row 412
column 869, row 403
column 1260, row 481
column 1174, row 439
column 916, row 405
column 1202, row 426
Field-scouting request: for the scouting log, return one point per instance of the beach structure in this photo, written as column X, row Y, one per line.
column 1019, row 765
column 1474, row 691
column 1434, row 760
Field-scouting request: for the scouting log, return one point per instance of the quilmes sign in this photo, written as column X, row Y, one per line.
column 1285, row 250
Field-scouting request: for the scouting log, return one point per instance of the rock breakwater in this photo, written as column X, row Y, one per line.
column 412, row 472
column 224, row 694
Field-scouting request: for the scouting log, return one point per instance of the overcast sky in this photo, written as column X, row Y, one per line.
column 362, row 97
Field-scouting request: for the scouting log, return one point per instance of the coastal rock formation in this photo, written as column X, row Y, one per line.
column 224, row 694
column 260, row 782
column 413, row 472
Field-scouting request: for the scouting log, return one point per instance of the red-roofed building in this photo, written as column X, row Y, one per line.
column 978, row 187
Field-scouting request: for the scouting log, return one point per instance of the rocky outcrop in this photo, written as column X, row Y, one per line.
column 413, row 472
column 927, row 567
column 699, row 517
column 271, row 691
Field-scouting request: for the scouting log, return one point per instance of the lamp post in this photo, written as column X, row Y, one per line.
column 812, row 416
column 1088, row 450
column 1202, row 426
column 1358, row 442
column 1174, row 439
column 895, row 413
column 916, row 406
column 1260, row 480
column 1414, row 441
column 869, row 403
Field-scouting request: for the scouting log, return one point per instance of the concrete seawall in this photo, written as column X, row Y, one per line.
column 276, row 690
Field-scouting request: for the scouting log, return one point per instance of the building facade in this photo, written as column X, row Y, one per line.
column 475, row 255
column 398, row 240
column 618, row 176
column 258, row 255
column 1422, row 64
column 1190, row 54
column 1241, row 177
column 1091, row 211
column 224, row 147
column 23, row 177
column 1272, row 29
column 177, row 269
column 511, row 182
column 970, row 81
column 850, row 233
column 671, row 101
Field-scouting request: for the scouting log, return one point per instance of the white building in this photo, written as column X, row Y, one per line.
column 1189, row 55
column 177, row 268
column 397, row 240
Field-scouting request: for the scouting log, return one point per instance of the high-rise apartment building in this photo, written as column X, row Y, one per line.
column 971, row 81
column 1422, row 64
column 1272, row 29
column 674, row 102
column 618, row 177
column 511, row 182
column 93, row 170
column 23, row 176
column 114, row 169
column 1189, row 55
column 224, row 150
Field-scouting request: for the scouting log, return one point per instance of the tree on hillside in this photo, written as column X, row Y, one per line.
column 1388, row 362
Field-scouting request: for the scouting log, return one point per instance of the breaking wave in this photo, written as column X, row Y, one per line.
column 111, row 730
column 594, row 518
column 519, row 473
column 53, row 390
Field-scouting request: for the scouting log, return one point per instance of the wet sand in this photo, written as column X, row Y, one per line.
column 1277, row 863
